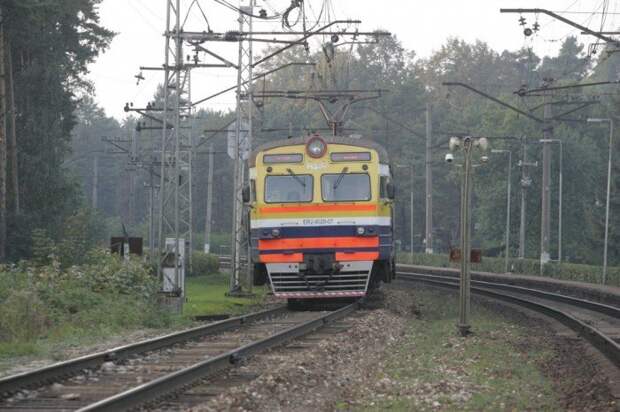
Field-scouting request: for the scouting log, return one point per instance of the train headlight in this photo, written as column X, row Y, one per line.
column 316, row 147
column 361, row 231
column 275, row 232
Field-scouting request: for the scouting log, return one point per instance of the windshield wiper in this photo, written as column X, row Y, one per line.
column 340, row 177
column 299, row 179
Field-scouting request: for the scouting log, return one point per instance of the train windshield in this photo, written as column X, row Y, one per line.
column 288, row 189
column 344, row 186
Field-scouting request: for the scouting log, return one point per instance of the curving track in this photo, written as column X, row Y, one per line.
column 142, row 373
column 598, row 323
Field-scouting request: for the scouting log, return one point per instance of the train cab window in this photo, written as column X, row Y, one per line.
column 343, row 187
column 288, row 189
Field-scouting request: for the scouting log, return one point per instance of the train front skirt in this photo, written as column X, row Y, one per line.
column 296, row 280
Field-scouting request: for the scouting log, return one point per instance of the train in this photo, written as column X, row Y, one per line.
column 321, row 217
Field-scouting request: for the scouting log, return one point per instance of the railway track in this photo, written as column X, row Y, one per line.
column 142, row 373
column 598, row 323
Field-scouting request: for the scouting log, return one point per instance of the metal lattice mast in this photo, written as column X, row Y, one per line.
column 243, row 131
column 175, row 185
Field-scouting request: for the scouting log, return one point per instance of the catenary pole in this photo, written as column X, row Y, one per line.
column 411, row 217
column 3, row 156
column 611, row 137
column 609, row 163
column 508, row 190
column 209, row 201
column 545, row 227
column 524, row 185
column 13, row 137
column 429, row 180
column 95, row 197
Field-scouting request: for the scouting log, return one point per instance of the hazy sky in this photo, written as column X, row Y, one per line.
column 422, row 26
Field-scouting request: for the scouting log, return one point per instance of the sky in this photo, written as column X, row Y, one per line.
column 422, row 26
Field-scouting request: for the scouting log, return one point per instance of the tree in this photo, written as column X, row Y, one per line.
column 52, row 44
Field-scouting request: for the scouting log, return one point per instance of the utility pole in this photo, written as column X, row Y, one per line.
column 175, row 215
column 545, row 226
column 609, row 164
column 152, row 211
column 132, row 176
column 508, row 190
column 467, row 145
column 12, row 144
column 95, row 181
column 411, row 217
column 464, row 290
column 525, row 183
column 429, row 179
column 209, row 201
column 3, row 145
column 243, row 124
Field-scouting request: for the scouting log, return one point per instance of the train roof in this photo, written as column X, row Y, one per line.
column 383, row 156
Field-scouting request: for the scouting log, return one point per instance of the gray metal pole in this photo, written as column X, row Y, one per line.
column 207, row 246
column 411, row 216
column 464, row 286
column 250, row 106
column 429, row 180
column 611, row 135
column 508, row 211
column 560, row 204
column 545, row 227
column 151, row 212
column 524, row 180
column 508, row 189
column 95, row 181
column 237, row 178
column 507, row 252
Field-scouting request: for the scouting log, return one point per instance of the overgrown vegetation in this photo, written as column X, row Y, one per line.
column 206, row 295
column 43, row 304
column 498, row 368
column 565, row 270
column 204, row 264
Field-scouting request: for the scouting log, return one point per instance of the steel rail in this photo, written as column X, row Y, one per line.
column 14, row 383
column 175, row 381
column 598, row 339
column 582, row 303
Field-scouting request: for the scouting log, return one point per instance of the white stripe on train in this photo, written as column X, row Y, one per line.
column 321, row 221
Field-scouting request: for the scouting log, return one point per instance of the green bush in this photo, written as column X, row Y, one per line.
column 204, row 264
column 23, row 316
column 103, row 295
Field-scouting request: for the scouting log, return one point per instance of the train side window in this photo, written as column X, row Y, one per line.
column 252, row 190
column 383, row 181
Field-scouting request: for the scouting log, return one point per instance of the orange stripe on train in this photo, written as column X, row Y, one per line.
column 318, row 243
column 319, row 208
column 282, row 258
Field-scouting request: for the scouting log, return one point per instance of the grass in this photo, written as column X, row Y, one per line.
column 497, row 368
column 206, row 295
column 101, row 317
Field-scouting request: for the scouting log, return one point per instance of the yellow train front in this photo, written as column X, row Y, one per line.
column 321, row 217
